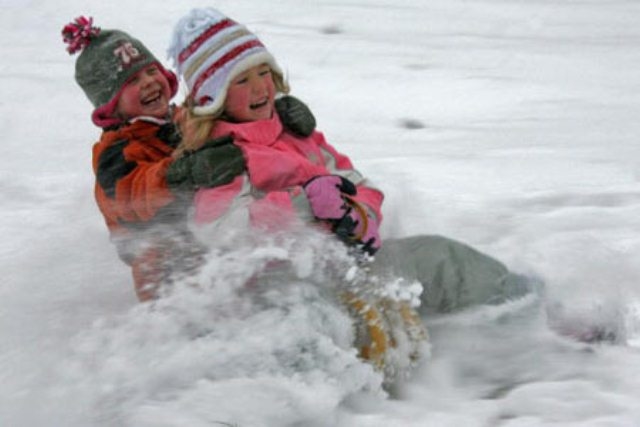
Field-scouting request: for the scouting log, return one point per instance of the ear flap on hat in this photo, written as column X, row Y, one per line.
column 103, row 116
column 171, row 78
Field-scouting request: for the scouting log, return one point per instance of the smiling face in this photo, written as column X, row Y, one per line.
column 147, row 93
column 251, row 95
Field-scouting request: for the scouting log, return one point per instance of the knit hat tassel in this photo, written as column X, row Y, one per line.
column 78, row 34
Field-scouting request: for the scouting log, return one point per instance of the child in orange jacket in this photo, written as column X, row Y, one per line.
column 131, row 92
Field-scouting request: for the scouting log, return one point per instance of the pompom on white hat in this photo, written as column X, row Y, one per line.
column 209, row 50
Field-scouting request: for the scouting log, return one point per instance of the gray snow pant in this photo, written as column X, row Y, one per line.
column 453, row 275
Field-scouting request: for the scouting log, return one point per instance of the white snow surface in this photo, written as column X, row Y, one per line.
column 509, row 125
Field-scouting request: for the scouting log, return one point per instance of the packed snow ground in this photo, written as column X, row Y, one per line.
column 509, row 125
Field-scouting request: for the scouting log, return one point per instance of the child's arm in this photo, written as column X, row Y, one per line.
column 136, row 182
column 339, row 164
column 344, row 198
column 331, row 198
column 216, row 163
column 247, row 206
column 129, row 188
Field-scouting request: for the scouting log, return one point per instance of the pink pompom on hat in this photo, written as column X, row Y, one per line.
column 209, row 50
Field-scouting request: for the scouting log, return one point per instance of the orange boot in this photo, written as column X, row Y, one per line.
column 389, row 334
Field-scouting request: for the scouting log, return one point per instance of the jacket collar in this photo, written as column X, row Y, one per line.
column 263, row 132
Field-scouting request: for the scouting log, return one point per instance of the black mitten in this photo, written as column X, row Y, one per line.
column 216, row 163
column 295, row 116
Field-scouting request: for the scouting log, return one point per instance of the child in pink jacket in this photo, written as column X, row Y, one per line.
column 233, row 82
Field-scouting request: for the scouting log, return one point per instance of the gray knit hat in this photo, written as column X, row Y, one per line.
column 109, row 58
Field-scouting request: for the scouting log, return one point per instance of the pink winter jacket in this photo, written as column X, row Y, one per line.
column 278, row 165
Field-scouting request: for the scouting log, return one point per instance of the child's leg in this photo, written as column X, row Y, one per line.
column 172, row 255
column 453, row 275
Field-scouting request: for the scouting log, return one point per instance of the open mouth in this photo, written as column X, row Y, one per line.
column 259, row 104
column 151, row 99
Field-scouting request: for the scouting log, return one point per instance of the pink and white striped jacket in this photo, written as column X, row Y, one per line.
column 278, row 165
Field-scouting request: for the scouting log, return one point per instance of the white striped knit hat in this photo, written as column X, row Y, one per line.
column 209, row 50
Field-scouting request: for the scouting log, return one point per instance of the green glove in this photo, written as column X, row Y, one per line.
column 295, row 116
column 216, row 163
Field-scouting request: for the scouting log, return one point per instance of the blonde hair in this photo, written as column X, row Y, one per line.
column 203, row 124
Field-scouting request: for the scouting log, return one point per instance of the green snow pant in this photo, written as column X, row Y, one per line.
column 453, row 275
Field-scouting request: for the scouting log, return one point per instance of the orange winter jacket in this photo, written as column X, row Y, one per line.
column 130, row 163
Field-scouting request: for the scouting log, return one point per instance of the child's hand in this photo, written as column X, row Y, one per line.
column 359, row 228
column 325, row 195
column 295, row 116
column 217, row 163
column 329, row 199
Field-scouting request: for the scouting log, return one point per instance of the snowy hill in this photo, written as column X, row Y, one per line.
column 509, row 125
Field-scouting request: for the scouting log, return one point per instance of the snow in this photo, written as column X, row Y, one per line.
column 509, row 125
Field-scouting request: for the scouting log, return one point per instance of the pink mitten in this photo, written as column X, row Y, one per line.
column 325, row 195
column 329, row 198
